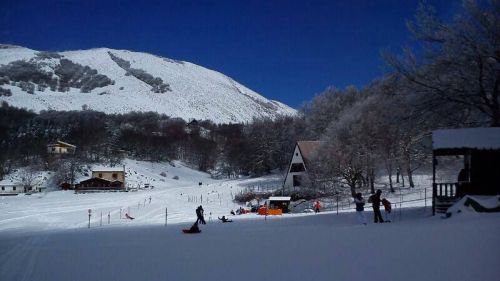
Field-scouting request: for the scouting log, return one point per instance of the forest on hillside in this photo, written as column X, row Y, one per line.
column 450, row 79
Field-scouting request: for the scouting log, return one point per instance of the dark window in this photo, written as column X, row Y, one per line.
column 115, row 176
column 297, row 154
column 297, row 180
column 3, row 187
column 100, row 175
column 13, row 188
column 297, row 167
column 53, row 149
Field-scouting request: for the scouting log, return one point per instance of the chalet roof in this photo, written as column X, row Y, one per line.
column 468, row 138
column 108, row 169
column 61, row 143
column 9, row 182
column 308, row 149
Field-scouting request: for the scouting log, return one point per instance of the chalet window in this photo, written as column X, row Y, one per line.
column 297, row 154
column 115, row 176
column 53, row 149
column 297, row 167
column 13, row 188
column 3, row 187
column 100, row 175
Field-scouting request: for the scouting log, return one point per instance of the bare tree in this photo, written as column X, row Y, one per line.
column 460, row 64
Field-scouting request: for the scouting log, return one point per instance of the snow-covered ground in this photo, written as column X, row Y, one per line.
column 45, row 237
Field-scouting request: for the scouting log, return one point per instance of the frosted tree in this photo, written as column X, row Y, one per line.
column 460, row 61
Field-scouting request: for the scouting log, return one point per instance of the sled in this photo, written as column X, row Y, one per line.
column 129, row 217
column 187, row 231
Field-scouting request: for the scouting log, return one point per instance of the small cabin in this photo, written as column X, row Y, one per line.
column 297, row 174
column 470, row 159
column 8, row 187
column 279, row 202
column 111, row 174
column 61, row 147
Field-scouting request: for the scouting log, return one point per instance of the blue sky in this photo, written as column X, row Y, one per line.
column 285, row 50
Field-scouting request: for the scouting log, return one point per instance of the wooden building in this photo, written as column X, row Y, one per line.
column 297, row 175
column 110, row 173
column 104, row 178
column 61, row 147
column 479, row 151
column 99, row 184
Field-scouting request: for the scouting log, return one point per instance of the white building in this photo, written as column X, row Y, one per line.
column 61, row 147
column 8, row 187
column 297, row 175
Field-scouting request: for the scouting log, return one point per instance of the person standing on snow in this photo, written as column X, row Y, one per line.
column 387, row 208
column 360, row 208
column 199, row 215
column 375, row 200
column 316, row 206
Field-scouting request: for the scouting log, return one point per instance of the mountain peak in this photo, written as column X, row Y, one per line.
column 120, row 81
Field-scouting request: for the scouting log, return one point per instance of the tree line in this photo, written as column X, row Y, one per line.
column 451, row 80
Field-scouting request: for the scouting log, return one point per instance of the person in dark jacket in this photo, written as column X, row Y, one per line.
column 194, row 228
column 199, row 215
column 360, row 207
column 388, row 209
column 224, row 219
column 375, row 200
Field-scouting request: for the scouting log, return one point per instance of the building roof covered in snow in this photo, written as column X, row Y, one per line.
column 108, row 169
column 468, row 138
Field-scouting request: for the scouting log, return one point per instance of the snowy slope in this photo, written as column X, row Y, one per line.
column 195, row 92
column 316, row 247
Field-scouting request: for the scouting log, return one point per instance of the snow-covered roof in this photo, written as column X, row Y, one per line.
column 108, row 169
column 279, row 198
column 475, row 138
column 8, row 182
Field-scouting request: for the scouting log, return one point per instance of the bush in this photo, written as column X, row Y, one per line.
column 175, row 177
column 163, row 174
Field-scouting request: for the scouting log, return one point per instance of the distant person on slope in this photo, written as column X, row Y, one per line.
column 360, row 208
column 316, row 206
column 388, row 209
column 224, row 219
column 199, row 215
column 375, row 200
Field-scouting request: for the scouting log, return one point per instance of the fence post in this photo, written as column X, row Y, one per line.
column 166, row 215
column 109, row 217
column 90, row 214
column 337, row 204
column 425, row 198
column 120, row 212
column 100, row 223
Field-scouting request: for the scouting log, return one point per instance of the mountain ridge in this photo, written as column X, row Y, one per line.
column 121, row 81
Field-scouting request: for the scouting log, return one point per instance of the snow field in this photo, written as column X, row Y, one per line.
column 315, row 247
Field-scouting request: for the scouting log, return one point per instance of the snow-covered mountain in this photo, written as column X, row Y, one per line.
column 120, row 81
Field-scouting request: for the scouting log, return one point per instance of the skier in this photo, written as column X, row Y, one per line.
column 316, row 206
column 375, row 200
column 360, row 207
column 388, row 209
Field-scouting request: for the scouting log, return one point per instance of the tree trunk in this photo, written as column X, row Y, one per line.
column 410, row 177
column 398, row 172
